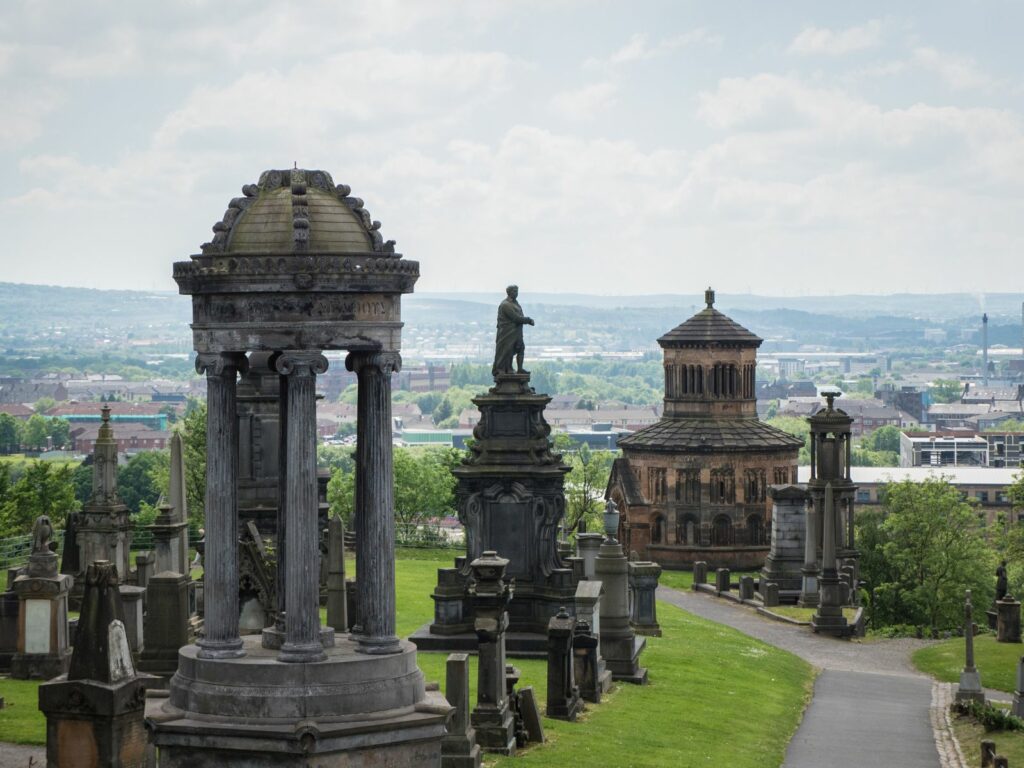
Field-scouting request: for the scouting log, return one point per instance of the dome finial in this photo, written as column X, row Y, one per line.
column 709, row 297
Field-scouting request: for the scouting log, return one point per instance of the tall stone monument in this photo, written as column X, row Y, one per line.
column 510, row 499
column 297, row 267
column 828, row 618
column 103, row 530
column 970, row 681
column 785, row 560
column 620, row 645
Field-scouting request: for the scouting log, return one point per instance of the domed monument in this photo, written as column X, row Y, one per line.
column 694, row 485
column 297, row 267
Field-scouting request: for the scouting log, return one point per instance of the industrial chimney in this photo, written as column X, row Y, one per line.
column 984, row 348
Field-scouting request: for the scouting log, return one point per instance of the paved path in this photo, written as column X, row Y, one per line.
column 870, row 707
column 18, row 756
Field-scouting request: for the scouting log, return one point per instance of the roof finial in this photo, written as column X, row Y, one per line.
column 709, row 297
column 295, row 164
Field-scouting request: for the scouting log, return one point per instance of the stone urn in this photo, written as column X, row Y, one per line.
column 611, row 519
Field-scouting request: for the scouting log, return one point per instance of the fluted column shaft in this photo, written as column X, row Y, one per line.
column 375, row 502
column 302, row 559
column 220, row 576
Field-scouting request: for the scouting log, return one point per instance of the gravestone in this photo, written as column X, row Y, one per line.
column 94, row 714
column 131, row 600
column 988, row 753
column 43, row 642
column 564, row 701
column 1000, row 762
column 770, row 594
column 585, row 668
column 512, row 675
column 588, row 611
column 785, row 559
column 643, row 586
column 492, row 717
column 170, row 541
column 829, row 618
column 8, row 624
column 620, row 646
column 700, row 573
column 723, row 580
column 1018, row 692
column 337, row 615
column 459, row 748
column 1008, row 620
column 145, row 562
column 587, row 547
column 970, row 681
column 166, row 625
column 746, row 587
column 530, row 711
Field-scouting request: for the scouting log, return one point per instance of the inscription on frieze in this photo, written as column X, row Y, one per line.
column 295, row 308
column 508, row 423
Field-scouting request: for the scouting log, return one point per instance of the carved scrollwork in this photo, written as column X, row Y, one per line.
column 221, row 363
column 300, row 363
column 386, row 362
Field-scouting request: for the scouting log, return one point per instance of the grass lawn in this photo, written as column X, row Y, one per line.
column 701, row 674
column 805, row 614
column 996, row 662
column 1009, row 744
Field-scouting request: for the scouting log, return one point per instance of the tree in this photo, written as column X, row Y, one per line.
column 43, row 404
column 798, row 428
column 43, row 488
column 585, row 485
column 885, row 438
column 60, row 432
column 143, row 479
column 928, row 549
column 8, row 433
column 35, row 432
column 193, row 438
column 945, row 391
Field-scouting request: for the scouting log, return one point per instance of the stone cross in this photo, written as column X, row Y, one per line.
column 970, row 680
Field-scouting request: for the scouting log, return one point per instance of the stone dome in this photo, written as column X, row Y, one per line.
column 297, row 211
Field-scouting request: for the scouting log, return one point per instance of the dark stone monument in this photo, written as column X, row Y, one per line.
column 43, row 644
column 988, row 753
column 94, row 714
column 1018, row 692
column 564, row 701
column 530, row 712
column 970, row 681
column 700, row 573
column 492, row 717
column 510, row 499
column 828, row 618
column 723, row 581
column 587, row 547
column 459, row 748
column 770, row 594
column 1007, row 620
column 586, row 653
column 620, row 645
column 337, row 615
column 297, row 267
column 9, row 609
column 1000, row 762
column 785, row 560
column 588, row 613
column 746, row 588
column 166, row 625
column 643, row 586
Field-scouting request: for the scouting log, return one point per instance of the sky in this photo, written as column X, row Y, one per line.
column 784, row 148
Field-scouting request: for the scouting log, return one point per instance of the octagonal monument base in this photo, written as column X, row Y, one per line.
column 349, row 710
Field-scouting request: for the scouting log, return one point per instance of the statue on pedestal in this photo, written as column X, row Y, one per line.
column 509, row 339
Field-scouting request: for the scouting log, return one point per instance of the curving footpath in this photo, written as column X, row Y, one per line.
column 870, row 706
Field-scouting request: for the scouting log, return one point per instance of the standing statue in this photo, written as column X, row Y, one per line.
column 1001, row 583
column 42, row 532
column 509, row 341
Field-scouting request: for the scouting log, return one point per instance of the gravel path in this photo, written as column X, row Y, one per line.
column 20, row 756
column 870, row 706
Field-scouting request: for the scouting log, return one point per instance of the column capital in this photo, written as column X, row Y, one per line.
column 216, row 363
column 388, row 362
column 294, row 362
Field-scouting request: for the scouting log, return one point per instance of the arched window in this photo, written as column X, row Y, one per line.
column 658, row 530
column 755, row 530
column 721, row 531
column 688, row 530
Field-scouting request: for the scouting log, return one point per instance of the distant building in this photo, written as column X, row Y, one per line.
column 961, row 448
column 18, row 390
column 432, row 377
column 17, row 410
column 867, row 414
column 986, row 486
column 131, row 438
column 146, row 414
column 694, row 485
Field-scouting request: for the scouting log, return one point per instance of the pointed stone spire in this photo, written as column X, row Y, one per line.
column 104, row 472
column 177, row 493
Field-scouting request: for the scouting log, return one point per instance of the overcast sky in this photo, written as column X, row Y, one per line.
column 601, row 147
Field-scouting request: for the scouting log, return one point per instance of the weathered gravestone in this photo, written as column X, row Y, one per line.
column 459, row 748
column 770, row 594
column 587, row 547
column 588, row 612
column 746, row 588
column 722, row 580
column 564, row 701
column 1018, row 692
column 585, row 668
column 94, row 714
column 700, row 573
column 530, row 712
column 786, row 557
column 620, row 645
column 643, row 586
column 970, row 681
column 166, row 625
column 337, row 615
column 1008, row 620
column 988, row 753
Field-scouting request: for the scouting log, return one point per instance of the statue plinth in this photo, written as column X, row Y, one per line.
column 511, row 499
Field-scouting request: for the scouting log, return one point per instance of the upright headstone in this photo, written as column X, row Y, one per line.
column 94, row 714
column 144, row 568
column 809, row 596
column 131, row 601
column 585, row 667
column 643, row 585
column 999, row 761
column 746, row 587
column 564, row 701
column 166, row 626
column 770, row 594
column 1008, row 620
column 786, row 557
column 1018, row 692
column 620, row 645
column 43, row 643
column 587, row 547
column 492, row 717
column 588, row 612
column 970, row 681
column 988, row 753
column 8, row 622
column 459, row 748
column 337, row 615
column 700, row 573
column 170, row 541
column 723, row 580
column 530, row 711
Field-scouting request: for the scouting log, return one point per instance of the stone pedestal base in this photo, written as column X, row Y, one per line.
column 40, row 666
column 351, row 709
column 495, row 729
column 1008, row 621
column 970, row 687
column 622, row 657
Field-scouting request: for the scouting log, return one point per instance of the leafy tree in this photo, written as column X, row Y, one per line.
column 81, row 480
column 442, row 411
column 799, row 428
column 1010, row 425
column 946, row 391
column 885, row 438
column 928, row 548
column 861, row 457
column 43, row 488
column 193, row 437
column 143, row 479
column 9, row 440
column 60, row 432
column 34, row 432
column 43, row 404
column 585, row 485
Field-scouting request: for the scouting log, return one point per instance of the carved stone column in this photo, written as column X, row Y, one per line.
column 302, row 559
column 221, row 639
column 375, row 528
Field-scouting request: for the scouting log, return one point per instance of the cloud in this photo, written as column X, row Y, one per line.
column 586, row 102
column 639, row 48
column 958, row 72
column 820, row 40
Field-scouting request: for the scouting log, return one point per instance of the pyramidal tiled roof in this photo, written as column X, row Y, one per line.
column 711, row 436
column 709, row 326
